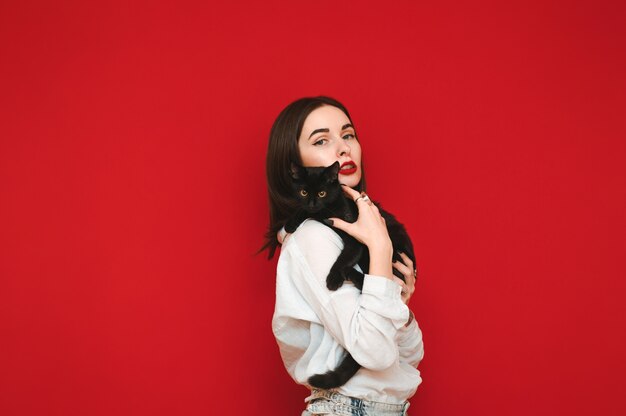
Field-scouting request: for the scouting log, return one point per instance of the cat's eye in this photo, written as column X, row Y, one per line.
column 321, row 194
column 303, row 192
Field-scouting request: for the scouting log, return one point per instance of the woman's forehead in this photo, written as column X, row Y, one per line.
column 326, row 116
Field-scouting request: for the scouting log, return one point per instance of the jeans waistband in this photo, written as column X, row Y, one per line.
column 353, row 405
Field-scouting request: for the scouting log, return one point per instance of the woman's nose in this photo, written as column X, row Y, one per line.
column 344, row 148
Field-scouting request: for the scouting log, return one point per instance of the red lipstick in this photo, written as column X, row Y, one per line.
column 350, row 168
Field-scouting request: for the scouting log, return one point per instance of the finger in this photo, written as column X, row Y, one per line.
column 408, row 284
column 405, row 290
column 377, row 211
column 361, row 198
column 410, row 281
column 398, row 281
column 409, row 278
column 402, row 268
column 363, row 205
column 406, row 260
column 350, row 192
column 339, row 223
column 281, row 235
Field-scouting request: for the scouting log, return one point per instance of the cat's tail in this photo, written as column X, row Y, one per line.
column 337, row 377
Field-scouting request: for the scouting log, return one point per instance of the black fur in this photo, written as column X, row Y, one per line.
column 320, row 196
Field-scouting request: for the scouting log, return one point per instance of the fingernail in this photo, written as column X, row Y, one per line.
column 327, row 222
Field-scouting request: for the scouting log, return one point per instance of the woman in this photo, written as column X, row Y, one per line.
column 314, row 326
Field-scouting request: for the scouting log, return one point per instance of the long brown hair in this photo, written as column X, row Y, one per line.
column 282, row 150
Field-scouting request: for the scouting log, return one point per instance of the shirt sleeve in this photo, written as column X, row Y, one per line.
column 410, row 344
column 365, row 323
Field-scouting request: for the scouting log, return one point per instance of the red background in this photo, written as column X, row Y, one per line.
column 132, row 197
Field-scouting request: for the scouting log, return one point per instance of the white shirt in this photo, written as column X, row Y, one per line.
column 313, row 325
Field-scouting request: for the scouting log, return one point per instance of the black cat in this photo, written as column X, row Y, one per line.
column 320, row 196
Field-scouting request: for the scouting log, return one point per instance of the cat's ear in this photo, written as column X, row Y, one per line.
column 297, row 172
column 332, row 171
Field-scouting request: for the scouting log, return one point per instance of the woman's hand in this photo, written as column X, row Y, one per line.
column 369, row 228
column 282, row 235
column 406, row 267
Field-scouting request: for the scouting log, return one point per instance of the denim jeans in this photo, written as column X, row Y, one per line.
column 328, row 402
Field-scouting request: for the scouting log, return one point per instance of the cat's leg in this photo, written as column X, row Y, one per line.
column 295, row 221
column 351, row 273
column 343, row 268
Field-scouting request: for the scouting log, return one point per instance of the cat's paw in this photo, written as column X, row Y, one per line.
column 292, row 225
column 334, row 280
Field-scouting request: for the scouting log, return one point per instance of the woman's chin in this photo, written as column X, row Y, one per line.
column 350, row 180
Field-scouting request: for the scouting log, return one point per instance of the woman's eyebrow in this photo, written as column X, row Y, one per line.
column 319, row 131
column 326, row 130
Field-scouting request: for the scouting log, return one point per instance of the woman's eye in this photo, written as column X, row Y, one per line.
column 317, row 143
column 321, row 194
column 303, row 192
column 349, row 136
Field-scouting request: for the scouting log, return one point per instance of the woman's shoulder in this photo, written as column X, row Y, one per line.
column 313, row 246
column 314, row 234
